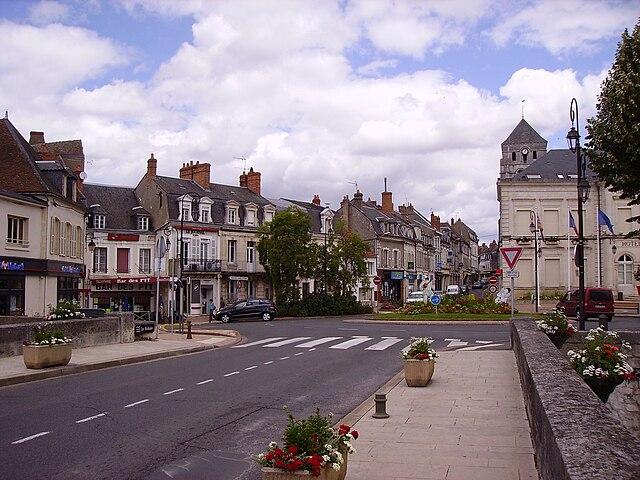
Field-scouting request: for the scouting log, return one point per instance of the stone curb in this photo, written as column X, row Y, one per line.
column 58, row 372
column 361, row 410
column 434, row 322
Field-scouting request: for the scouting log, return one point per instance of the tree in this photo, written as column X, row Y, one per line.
column 613, row 140
column 346, row 264
column 283, row 247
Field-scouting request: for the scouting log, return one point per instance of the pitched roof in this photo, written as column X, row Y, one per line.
column 119, row 205
column 69, row 151
column 22, row 197
column 551, row 165
column 314, row 211
column 523, row 133
column 18, row 162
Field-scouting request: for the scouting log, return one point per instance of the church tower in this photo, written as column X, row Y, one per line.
column 521, row 148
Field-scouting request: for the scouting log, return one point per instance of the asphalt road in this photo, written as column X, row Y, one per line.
column 204, row 415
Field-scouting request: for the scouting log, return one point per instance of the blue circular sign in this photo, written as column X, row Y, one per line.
column 435, row 300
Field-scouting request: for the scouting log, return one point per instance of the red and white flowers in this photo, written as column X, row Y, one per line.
column 555, row 323
column 420, row 349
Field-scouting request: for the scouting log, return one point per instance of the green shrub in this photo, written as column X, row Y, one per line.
column 458, row 304
column 322, row 304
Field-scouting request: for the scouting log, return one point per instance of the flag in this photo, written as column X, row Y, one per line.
column 603, row 219
column 572, row 223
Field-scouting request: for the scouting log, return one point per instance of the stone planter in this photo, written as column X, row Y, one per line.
column 602, row 388
column 269, row 473
column 342, row 473
column 43, row 356
column 558, row 340
column 418, row 373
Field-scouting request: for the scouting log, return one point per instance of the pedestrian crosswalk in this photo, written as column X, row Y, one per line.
column 367, row 343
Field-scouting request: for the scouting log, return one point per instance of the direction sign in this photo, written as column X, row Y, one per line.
column 513, row 273
column 435, row 300
column 511, row 255
column 377, row 280
column 493, row 280
column 493, row 288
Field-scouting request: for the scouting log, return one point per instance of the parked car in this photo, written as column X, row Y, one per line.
column 252, row 308
column 453, row 290
column 598, row 301
column 415, row 297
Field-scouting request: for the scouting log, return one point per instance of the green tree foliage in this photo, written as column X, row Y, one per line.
column 614, row 133
column 284, row 249
column 346, row 264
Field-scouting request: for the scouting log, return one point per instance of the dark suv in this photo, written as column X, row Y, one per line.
column 252, row 308
column 598, row 301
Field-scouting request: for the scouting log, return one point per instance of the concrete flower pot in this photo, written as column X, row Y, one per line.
column 418, row 373
column 269, row 473
column 43, row 356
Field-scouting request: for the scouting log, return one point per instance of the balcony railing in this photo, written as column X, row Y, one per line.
column 240, row 266
column 200, row 265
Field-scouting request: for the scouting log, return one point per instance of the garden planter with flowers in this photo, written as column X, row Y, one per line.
column 602, row 363
column 48, row 349
column 419, row 362
column 557, row 328
column 312, row 448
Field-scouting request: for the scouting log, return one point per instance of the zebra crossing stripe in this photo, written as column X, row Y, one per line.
column 320, row 341
column 478, row 347
column 384, row 344
column 457, row 343
column 259, row 342
column 356, row 340
column 287, row 342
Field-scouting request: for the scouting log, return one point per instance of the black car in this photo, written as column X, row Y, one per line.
column 252, row 308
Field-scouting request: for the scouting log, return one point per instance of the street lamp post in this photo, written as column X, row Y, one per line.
column 533, row 228
column 194, row 215
column 162, row 247
column 573, row 139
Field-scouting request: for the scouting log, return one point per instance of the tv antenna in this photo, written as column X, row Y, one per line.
column 354, row 183
column 244, row 162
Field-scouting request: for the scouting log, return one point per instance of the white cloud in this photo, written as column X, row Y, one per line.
column 375, row 68
column 48, row 11
column 566, row 26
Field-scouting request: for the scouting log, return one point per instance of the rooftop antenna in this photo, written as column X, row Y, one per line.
column 6, row 114
column 355, row 183
column 244, row 162
column 522, row 104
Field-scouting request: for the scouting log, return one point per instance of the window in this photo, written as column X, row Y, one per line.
column 79, row 243
column 232, row 215
column 251, row 252
column 62, row 240
column 250, row 220
column 268, row 215
column 143, row 223
column 204, row 215
column 55, row 236
column 625, row 270
column 185, row 252
column 535, row 155
column 73, row 251
column 122, row 265
column 204, row 251
column 144, row 260
column 69, row 234
column 70, row 192
column 231, row 251
column 396, row 257
column 513, row 156
column 385, row 257
column 98, row 221
column 370, row 270
column 17, row 231
column 100, row 260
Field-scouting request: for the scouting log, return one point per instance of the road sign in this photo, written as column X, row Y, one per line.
column 493, row 280
column 498, row 271
column 493, row 288
column 435, row 300
column 377, row 280
column 513, row 273
column 511, row 255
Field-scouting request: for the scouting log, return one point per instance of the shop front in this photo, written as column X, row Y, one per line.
column 126, row 294
column 391, row 287
column 12, row 288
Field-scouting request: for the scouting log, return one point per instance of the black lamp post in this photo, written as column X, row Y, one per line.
column 533, row 228
column 194, row 217
column 573, row 139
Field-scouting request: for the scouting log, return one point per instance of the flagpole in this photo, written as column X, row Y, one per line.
column 568, row 251
column 598, row 240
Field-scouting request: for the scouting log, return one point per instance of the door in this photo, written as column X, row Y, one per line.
column 240, row 310
column 253, row 308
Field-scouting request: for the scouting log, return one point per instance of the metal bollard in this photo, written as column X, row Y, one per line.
column 381, row 406
column 189, row 330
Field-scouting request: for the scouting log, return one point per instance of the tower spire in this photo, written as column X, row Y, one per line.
column 522, row 103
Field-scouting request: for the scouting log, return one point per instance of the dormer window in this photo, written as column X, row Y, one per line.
column 185, row 204
column 232, row 214
column 99, row 221
column 268, row 215
column 143, row 223
column 252, row 217
column 205, row 210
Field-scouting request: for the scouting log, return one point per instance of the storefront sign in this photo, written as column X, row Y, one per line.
column 123, row 237
column 630, row 243
column 13, row 266
column 396, row 275
column 109, row 287
column 73, row 269
column 411, row 277
column 239, row 279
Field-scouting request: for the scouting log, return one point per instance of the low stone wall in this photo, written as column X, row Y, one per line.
column 85, row 332
column 624, row 402
column 13, row 319
column 575, row 436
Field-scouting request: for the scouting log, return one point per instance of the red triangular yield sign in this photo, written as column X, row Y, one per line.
column 511, row 255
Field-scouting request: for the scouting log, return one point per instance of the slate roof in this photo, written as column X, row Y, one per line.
column 523, row 133
column 117, row 204
column 18, row 162
column 554, row 163
column 313, row 211
column 69, row 151
column 22, row 196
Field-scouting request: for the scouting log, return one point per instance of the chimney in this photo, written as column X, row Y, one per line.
column 357, row 199
column 253, row 181
column 36, row 137
column 344, row 206
column 199, row 173
column 316, row 200
column 387, row 199
column 152, row 166
column 435, row 221
column 243, row 179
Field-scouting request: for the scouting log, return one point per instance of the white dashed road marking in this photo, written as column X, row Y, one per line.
column 483, row 341
column 31, row 437
column 268, row 363
column 232, row 373
column 170, row 392
column 286, row 342
column 91, row 418
column 315, row 343
column 251, row 367
column 299, row 353
column 205, row 381
column 356, row 340
column 478, row 347
column 136, row 403
column 284, row 358
column 384, row 344
column 259, row 342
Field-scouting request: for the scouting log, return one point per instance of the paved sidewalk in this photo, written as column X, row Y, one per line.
column 468, row 423
column 13, row 370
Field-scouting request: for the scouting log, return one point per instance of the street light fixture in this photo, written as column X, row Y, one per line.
column 533, row 228
column 614, row 249
column 162, row 247
column 573, row 139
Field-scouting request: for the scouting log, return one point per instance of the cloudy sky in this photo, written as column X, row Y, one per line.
column 317, row 95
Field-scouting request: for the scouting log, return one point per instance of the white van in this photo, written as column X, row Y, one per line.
column 453, row 290
column 415, row 297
